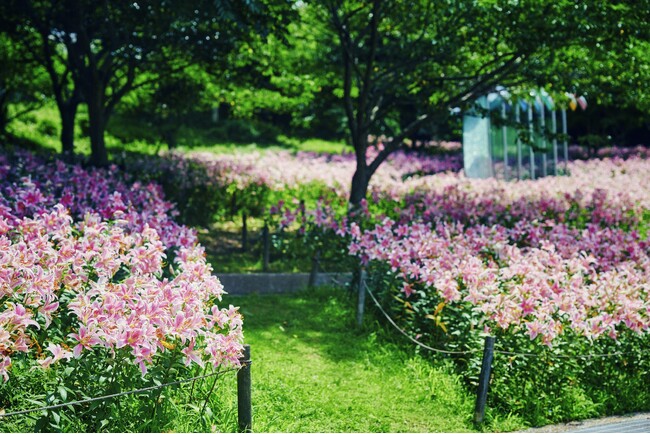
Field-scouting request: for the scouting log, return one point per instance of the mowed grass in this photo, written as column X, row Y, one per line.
column 313, row 371
column 41, row 129
column 281, row 143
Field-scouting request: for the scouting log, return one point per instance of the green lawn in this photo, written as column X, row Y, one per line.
column 313, row 371
column 42, row 129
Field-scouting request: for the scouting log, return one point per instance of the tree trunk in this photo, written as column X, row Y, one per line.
column 4, row 117
column 359, row 188
column 68, row 113
column 169, row 137
column 97, row 120
column 361, row 177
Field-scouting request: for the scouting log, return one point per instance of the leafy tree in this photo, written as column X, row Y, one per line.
column 106, row 47
column 615, row 83
column 439, row 54
column 21, row 84
column 168, row 103
column 277, row 78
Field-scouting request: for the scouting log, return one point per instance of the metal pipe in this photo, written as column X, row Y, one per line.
column 484, row 380
column 518, row 142
column 566, row 141
column 504, row 132
column 554, row 127
column 532, row 141
column 542, row 125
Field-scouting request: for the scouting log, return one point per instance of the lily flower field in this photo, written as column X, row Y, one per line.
column 93, row 263
column 103, row 262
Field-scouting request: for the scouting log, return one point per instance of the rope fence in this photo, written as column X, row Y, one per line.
column 405, row 333
column 496, row 351
column 243, row 393
column 488, row 350
column 114, row 395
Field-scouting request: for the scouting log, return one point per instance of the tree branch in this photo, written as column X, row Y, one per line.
column 362, row 115
column 344, row 37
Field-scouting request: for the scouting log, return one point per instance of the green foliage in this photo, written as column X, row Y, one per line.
column 572, row 380
column 107, row 50
column 281, row 79
column 644, row 225
column 403, row 65
column 22, row 84
column 245, row 131
column 312, row 371
column 190, row 406
column 280, row 63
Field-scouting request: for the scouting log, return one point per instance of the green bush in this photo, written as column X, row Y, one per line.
column 574, row 379
column 244, row 131
column 48, row 128
column 188, row 406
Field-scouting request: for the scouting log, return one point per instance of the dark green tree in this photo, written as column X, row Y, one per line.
column 278, row 79
column 439, row 54
column 107, row 49
column 169, row 103
column 22, row 84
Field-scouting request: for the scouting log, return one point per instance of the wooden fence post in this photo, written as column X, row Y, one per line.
column 484, row 380
column 244, row 232
column 244, row 405
column 266, row 248
column 315, row 262
column 361, row 301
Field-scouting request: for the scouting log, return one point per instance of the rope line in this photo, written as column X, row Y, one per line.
column 437, row 350
column 502, row 352
column 561, row 356
column 116, row 395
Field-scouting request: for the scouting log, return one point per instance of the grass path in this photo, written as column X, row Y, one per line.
column 314, row 372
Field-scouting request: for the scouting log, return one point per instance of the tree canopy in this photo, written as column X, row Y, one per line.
column 103, row 49
column 370, row 68
column 437, row 55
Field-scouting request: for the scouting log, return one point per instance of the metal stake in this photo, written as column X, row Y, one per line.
column 361, row 301
column 266, row 248
column 484, row 380
column 518, row 142
column 554, row 127
column 315, row 265
column 532, row 142
column 504, row 133
column 566, row 141
column 542, row 124
column 244, row 405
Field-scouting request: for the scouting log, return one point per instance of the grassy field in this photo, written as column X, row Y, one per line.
column 42, row 128
column 313, row 371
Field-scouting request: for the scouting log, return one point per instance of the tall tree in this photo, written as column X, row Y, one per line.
column 277, row 78
column 105, row 47
column 170, row 102
column 22, row 84
column 440, row 54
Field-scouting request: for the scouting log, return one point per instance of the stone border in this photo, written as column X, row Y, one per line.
column 635, row 422
column 276, row 283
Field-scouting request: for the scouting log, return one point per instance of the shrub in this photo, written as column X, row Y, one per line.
column 98, row 283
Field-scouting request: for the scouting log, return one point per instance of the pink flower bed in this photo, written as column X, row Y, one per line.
column 90, row 261
column 280, row 170
column 539, row 256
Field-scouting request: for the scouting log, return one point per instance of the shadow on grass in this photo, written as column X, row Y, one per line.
column 322, row 318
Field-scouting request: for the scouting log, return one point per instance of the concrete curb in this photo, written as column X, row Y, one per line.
column 277, row 283
column 636, row 422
